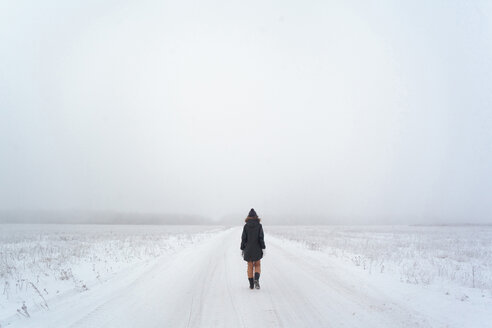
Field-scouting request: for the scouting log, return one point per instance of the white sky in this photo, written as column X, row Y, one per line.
column 312, row 110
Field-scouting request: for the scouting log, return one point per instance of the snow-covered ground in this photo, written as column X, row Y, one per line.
column 417, row 254
column 40, row 263
column 441, row 274
column 178, row 276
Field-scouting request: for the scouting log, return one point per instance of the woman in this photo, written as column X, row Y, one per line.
column 252, row 245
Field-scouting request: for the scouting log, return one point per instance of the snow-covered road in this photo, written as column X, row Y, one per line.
column 206, row 286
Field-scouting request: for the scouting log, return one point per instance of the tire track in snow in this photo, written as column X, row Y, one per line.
column 228, row 286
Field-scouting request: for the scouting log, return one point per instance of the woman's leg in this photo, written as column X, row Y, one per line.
column 258, row 266
column 257, row 274
column 250, row 274
column 250, row 269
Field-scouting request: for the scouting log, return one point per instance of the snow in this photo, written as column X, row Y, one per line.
column 178, row 276
column 417, row 254
column 40, row 263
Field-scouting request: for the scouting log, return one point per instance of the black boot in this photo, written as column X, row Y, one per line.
column 257, row 280
column 251, row 283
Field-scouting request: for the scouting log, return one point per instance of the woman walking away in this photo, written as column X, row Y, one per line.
column 252, row 245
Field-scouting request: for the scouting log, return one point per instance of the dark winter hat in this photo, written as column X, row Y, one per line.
column 252, row 213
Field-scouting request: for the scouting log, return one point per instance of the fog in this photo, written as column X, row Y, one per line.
column 310, row 112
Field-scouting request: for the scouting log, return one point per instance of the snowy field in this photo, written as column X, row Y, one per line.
column 194, row 276
column 40, row 262
column 441, row 273
column 459, row 255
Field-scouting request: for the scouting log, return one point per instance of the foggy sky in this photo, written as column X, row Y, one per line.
column 308, row 111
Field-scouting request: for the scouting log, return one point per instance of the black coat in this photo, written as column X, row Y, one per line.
column 252, row 240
